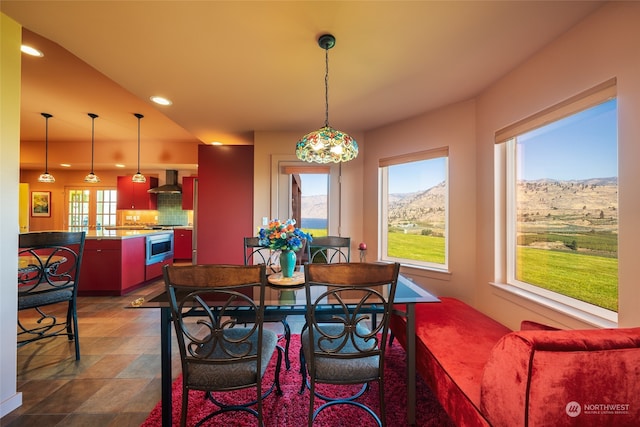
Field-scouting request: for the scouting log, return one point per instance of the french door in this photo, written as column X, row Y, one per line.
column 90, row 208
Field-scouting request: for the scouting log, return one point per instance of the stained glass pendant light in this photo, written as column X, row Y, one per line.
column 138, row 177
column 326, row 144
column 46, row 176
column 92, row 178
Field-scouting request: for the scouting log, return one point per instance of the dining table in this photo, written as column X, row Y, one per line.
column 31, row 263
column 287, row 298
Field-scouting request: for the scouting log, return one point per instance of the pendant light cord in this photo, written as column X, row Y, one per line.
column 46, row 145
column 139, row 116
column 93, row 119
column 46, row 141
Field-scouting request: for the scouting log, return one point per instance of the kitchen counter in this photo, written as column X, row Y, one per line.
column 116, row 262
column 122, row 234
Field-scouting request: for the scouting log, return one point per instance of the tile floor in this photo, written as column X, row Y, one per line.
column 117, row 380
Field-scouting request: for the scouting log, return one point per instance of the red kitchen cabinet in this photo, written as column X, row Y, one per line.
column 132, row 195
column 182, row 243
column 112, row 266
column 225, row 201
column 187, row 193
column 155, row 270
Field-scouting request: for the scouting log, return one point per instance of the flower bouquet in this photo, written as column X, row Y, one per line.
column 286, row 238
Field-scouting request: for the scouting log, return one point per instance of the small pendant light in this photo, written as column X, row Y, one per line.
column 138, row 177
column 46, row 176
column 92, row 178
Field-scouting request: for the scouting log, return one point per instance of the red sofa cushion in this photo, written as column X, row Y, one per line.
column 453, row 343
column 564, row 378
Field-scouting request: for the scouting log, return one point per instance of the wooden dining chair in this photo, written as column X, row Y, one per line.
column 350, row 348
column 48, row 278
column 258, row 254
column 217, row 355
column 330, row 250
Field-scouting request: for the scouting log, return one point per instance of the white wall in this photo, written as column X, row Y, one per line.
column 10, row 38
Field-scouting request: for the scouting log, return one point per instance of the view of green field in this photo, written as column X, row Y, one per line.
column 588, row 278
column 416, row 247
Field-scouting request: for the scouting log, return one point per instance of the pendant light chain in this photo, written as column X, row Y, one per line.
column 326, row 87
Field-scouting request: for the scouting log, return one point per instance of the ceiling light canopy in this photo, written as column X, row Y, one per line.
column 326, row 144
column 92, row 178
column 138, row 177
column 46, row 176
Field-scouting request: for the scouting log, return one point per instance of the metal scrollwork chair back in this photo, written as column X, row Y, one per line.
column 330, row 250
column 49, row 275
column 257, row 254
column 216, row 354
column 349, row 347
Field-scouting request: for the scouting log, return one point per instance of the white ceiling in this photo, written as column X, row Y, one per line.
column 234, row 67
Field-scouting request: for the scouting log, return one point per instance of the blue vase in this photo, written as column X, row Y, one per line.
column 287, row 263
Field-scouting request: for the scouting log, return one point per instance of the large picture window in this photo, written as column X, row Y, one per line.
column 562, row 204
column 413, row 209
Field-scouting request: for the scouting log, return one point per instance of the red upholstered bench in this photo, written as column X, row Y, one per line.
column 453, row 344
column 486, row 375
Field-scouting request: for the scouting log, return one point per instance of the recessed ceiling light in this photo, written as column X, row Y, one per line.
column 65, row 165
column 216, row 143
column 31, row 51
column 118, row 165
column 160, row 100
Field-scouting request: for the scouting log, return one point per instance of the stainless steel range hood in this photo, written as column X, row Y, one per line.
column 171, row 184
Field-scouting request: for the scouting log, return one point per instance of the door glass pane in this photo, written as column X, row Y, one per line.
column 79, row 208
column 105, row 208
column 314, row 205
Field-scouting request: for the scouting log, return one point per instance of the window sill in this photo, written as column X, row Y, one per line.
column 515, row 293
column 427, row 272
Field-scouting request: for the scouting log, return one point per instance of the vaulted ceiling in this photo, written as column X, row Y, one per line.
column 235, row 67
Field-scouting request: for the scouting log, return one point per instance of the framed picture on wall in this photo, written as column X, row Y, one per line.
column 41, row 203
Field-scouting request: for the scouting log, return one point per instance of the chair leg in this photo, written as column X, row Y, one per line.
column 73, row 319
column 185, row 405
column 303, row 372
column 287, row 338
column 383, row 416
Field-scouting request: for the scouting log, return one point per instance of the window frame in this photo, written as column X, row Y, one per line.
column 506, row 215
column 383, row 185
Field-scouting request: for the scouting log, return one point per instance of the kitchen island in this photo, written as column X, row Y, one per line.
column 115, row 262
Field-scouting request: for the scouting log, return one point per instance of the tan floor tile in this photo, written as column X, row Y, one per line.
column 113, row 396
column 109, row 366
column 71, row 396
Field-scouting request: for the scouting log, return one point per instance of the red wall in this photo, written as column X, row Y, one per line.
column 225, row 203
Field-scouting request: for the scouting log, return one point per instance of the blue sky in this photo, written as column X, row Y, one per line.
column 416, row 176
column 314, row 184
column 581, row 146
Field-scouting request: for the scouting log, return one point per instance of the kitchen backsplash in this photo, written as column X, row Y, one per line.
column 170, row 210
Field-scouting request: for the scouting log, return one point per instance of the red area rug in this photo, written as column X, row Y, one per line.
column 291, row 409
